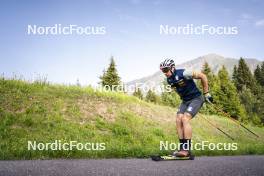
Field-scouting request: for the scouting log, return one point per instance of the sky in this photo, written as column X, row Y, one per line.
column 132, row 36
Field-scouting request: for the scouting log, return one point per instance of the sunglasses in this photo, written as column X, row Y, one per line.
column 165, row 70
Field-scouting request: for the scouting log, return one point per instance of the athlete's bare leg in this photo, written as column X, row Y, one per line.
column 187, row 129
column 179, row 125
column 184, row 130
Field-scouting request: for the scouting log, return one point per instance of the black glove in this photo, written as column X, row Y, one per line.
column 208, row 98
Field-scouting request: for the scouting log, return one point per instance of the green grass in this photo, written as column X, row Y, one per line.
column 128, row 126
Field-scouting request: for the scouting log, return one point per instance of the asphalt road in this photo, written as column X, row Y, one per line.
column 228, row 165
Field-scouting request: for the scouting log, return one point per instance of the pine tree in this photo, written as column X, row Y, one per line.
column 262, row 74
column 228, row 97
column 250, row 92
column 151, row 96
column 248, row 100
column 206, row 69
column 243, row 77
column 138, row 93
column 234, row 75
column 257, row 75
column 170, row 99
column 260, row 105
column 110, row 77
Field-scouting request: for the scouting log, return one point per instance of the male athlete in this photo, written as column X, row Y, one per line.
column 192, row 100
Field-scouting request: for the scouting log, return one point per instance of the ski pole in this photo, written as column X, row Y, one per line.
column 229, row 116
column 217, row 128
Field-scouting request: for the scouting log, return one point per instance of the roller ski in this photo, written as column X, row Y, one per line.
column 175, row 156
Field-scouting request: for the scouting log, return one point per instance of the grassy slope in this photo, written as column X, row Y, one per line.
column 129, row 127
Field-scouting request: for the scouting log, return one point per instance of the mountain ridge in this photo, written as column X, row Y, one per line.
column 215, row 62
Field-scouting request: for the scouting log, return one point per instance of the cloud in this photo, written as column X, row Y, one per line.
column 259, row 22
column 245, row 19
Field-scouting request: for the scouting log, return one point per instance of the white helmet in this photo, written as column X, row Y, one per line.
column 167, row 63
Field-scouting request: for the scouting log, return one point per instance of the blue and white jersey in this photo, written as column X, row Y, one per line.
column 183, row 83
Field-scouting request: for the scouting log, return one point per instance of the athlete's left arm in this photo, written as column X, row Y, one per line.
column 203, row 78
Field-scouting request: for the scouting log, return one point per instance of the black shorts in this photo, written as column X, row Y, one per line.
column 192, row 106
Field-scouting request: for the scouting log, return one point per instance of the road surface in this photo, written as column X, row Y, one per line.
column 227, row 165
